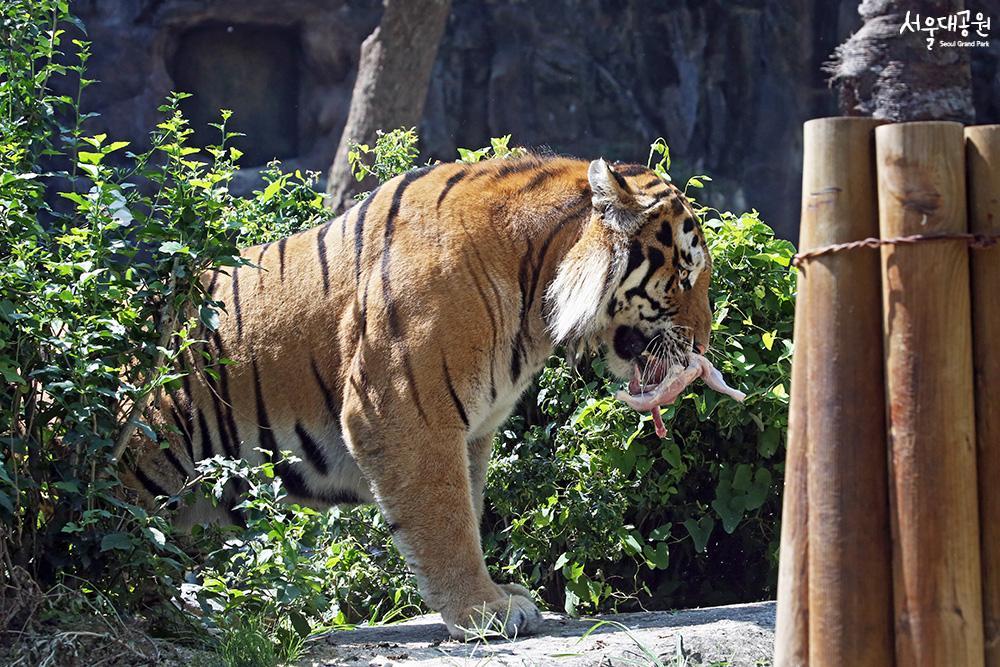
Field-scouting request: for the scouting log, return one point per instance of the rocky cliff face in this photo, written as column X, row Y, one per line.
column 728, row 84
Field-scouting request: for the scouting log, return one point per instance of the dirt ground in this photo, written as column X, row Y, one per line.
column 732, row 636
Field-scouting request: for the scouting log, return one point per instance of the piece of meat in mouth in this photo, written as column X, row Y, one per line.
column 668, row 383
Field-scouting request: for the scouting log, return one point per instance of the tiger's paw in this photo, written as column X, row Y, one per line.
column 515, row 589
column 511, row 616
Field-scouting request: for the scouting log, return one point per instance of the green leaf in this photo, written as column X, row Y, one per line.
column 768, row 338
column 700, row 531
column 741, row 478
column 661, row 533
column 10, row 373
column 87, row 157
column 300, row 624
column 272, row 189
column 120, row 541
column 631, row 544
column 173, row 248
column 209, row 317
column 657, row 558
column 768, row 441
column 157, row 536
column 5, row 502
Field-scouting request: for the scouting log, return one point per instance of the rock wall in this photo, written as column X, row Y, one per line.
column 727, row 83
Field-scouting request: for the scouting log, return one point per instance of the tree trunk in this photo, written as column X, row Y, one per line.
column 393, row 74
column 894, row 76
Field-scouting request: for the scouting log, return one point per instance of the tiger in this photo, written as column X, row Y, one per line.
column 385, row 346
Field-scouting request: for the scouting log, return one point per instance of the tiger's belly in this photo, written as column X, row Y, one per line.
column 326, row 473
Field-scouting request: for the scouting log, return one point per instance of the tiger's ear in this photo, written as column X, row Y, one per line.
column 612, row 197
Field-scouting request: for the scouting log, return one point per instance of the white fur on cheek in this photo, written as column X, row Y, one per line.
column 577, row 296
column 698, row 257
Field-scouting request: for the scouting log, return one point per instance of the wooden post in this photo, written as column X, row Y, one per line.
column 791, row 645
column 982, row 152
column 928, row 361
column 850, row 575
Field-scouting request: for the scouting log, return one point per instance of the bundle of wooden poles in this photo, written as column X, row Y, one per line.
column 890, row 544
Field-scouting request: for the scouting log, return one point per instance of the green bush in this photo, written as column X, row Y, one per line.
column 99, row 294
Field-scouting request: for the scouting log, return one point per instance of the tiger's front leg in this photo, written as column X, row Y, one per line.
column 421, row 481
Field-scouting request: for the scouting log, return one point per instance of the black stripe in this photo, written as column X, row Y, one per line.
column 359, row 236
column 313, row 452
column 152, row 488
column 260, row 267
column 228, row 431
column 207, row 451
column 515, row 359
column 525, row 269
column 233, row 495
column 211, row 283
column 517, row 345
column 494, row 333
column 656, row 260
column 608, row 277
column 620, row 180
column 328, row 397
column 236, row 304
column 516, row 166
column 340, row 498
column 220, row 421
column 281, row 257
column 184, row 426
column 292, row 480
column 631, row 169
column 635, row 258
column 574, row 208
column 542, row 177
column 176, row 463
column 665, row 235
column 321, row 249
column 235, row 515
column 498, row 326
column 449, row 184
column 392, row 317
column 454, row 394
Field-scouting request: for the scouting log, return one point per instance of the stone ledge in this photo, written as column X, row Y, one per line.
column 732, row 636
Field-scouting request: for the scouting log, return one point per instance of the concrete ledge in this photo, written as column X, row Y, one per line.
column 731, row 636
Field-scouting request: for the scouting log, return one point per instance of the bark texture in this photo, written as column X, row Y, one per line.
column 391, row 86
column 894, row 76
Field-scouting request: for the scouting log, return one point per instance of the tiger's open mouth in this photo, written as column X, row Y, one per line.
column 657, row 385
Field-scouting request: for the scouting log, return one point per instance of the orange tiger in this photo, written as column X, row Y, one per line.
column 384, row 347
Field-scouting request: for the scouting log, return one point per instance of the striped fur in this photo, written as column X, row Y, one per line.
column 385, row 347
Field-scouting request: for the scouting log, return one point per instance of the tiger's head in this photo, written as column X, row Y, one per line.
column 636, row 283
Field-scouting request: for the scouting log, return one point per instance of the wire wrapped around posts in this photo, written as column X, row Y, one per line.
column 978, row 240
